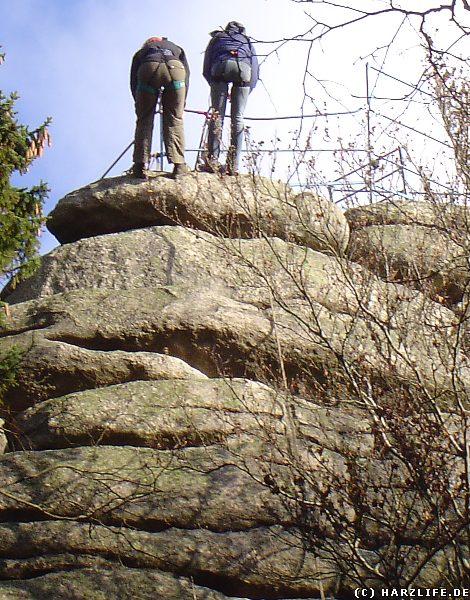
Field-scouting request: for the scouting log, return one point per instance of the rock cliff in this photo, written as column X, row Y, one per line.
column 231, row 390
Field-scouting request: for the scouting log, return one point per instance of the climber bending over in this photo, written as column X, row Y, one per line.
column 160, row 66
column 229, row 59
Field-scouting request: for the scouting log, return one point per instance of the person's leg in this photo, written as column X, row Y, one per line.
column 239, row 102
column 145, row 103
column 219, row 93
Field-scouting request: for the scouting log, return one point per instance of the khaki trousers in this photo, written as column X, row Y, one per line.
column 152, row 76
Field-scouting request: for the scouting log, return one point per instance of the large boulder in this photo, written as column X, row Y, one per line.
column 101, row 581
column 51, row 368
column 401, row 211
column 245, row 206
column 167, row 414
column 421, row 244
column 174, row 255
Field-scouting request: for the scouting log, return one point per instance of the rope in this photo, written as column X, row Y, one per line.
column 117, row 160
column 315, row 116
column 207, row 115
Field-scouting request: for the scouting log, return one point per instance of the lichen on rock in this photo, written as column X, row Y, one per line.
column 220, row 400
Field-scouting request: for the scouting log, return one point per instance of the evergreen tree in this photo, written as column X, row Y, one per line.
column 21, row 213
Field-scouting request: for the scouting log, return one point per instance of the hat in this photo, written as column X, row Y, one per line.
column 235, row 25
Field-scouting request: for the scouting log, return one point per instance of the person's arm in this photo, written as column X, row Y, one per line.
column 254, row 68
column 206, row 70
column 183, row 59
column 134, row 68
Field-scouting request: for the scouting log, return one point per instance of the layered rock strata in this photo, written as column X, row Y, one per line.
column 198, row 414
column 425, row 245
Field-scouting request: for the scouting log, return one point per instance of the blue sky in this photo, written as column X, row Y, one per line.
column 70, row 59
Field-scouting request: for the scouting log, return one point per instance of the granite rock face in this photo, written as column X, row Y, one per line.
column 3, row 437
column 200, row 413
column 424, row 245
column 236, row 207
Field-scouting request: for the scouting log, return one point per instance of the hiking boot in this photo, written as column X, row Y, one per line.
column 231, row 170
column 180, row 169
column 138, row 171
column 231, row 167
column 211, row 165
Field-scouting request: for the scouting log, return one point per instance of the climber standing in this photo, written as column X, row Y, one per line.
column 229, row 59
column 159, row 67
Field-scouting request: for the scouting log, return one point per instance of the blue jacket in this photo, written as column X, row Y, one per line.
column 222, row 47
